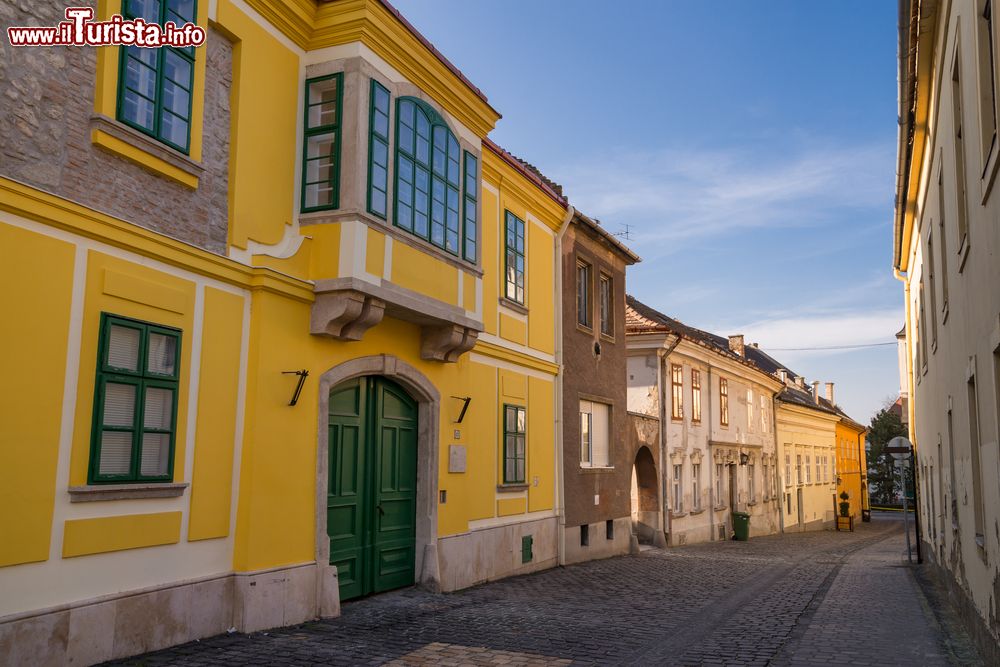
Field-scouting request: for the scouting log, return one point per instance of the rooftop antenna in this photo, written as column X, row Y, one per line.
column 625, row 233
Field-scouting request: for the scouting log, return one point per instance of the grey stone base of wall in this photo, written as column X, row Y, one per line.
column 986, row 643
column 598, row 545
column 126, row 624
column 488, row 554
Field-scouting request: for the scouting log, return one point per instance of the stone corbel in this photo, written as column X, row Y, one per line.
column 447, row 342
column 345, row 314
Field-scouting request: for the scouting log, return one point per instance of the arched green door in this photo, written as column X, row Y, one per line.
column 371, row 498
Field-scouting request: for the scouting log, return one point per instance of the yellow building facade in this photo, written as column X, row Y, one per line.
column 852, row 468
column 299, row 350
column 807, row 456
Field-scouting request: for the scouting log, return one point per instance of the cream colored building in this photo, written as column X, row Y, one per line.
column 807, row 440
column 945, row 248
column 716, row 413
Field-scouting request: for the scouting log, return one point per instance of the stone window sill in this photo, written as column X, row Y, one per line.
column 678, row 515
column 596, row 469
column 143, row 150
column 513, row 305
column 696, row 512
column 511, row 488
column 100, row 492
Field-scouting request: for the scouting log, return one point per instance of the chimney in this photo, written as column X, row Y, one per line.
column 829, row 392
column 783, row 374
column 816, row 391
column 800, row 381
column 736, row 345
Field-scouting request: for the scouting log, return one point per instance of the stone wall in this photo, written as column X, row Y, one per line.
column 46, row 115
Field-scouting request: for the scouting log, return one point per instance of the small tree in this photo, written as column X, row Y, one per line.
column 883, row 483
column 845, row 506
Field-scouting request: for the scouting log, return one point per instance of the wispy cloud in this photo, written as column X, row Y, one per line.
column 674, row 197
column 786, row 335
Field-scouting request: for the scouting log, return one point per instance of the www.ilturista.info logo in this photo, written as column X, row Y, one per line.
column 79, row 29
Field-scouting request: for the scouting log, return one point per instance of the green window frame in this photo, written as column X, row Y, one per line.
column 514, row 257
column 514, row 434
column 470, row 207
column 378, row 150
column 135, row 402
column 321, row 142
column 429, row 177
column 155, row 85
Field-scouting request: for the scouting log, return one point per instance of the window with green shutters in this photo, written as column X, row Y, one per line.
column 135, row 402
column 514, row 257
column 514, row 431
column 321, row 143
column 155, row 85
column 470, row 204
column 429, row 180
column 378, row 151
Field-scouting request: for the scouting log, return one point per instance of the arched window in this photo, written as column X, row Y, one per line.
column 429, row 179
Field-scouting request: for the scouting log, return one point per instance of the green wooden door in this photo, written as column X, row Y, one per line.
column 371, row 501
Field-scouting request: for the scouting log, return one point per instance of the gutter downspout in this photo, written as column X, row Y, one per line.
column 661, row 360
column 711, row 462
column 910, row 411
column 665, row 524
column 560, row 444
column 780, row 464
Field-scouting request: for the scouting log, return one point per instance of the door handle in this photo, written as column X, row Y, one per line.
column 381, row 512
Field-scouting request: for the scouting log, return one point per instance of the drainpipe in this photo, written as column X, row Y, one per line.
column 711, row 461
column 779, row 463
column 910, row 410
column 665, row 524
column 560, row 444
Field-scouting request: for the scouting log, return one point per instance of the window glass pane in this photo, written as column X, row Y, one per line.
column 520, row 470
column 320, row 145
column 511, row 416
column 177, row 69
column 123, row 348
column 319, row 194
column 175, row 99
column 116, row 453
column 510, row 470
column 319, row 170
column 378, row 202
column 173, row 129
column 119, row 404
column 323, row 102
column 138, row 110
column 155, row 453
column 406, row 139
column 520, row 420
column 158, row 408
column 140, row 77
column 145, row 9
column 162, row 354
column 184, row 9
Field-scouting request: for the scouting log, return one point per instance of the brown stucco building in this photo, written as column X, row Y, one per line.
column 598, row 452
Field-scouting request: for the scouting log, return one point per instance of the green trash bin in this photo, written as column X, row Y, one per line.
column 741, row 526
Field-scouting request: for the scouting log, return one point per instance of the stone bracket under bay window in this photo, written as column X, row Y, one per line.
column 345, row 308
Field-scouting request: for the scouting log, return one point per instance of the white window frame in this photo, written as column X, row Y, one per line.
column 595, row 442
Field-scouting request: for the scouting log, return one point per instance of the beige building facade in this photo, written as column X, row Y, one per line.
column 716, row 412
column 946, row 241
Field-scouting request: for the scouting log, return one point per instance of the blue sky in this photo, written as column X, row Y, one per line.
column 749, row 145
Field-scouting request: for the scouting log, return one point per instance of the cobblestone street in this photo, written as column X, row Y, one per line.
column 820, row 598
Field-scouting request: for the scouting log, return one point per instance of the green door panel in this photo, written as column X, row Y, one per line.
column 371, row 501
column 346, row 506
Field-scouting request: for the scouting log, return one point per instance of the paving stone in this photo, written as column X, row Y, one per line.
column 822, row 598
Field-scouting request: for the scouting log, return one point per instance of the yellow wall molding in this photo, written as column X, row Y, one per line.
column 117, row 533
column 513, row 356
column 509, row 506
column 60, row 213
